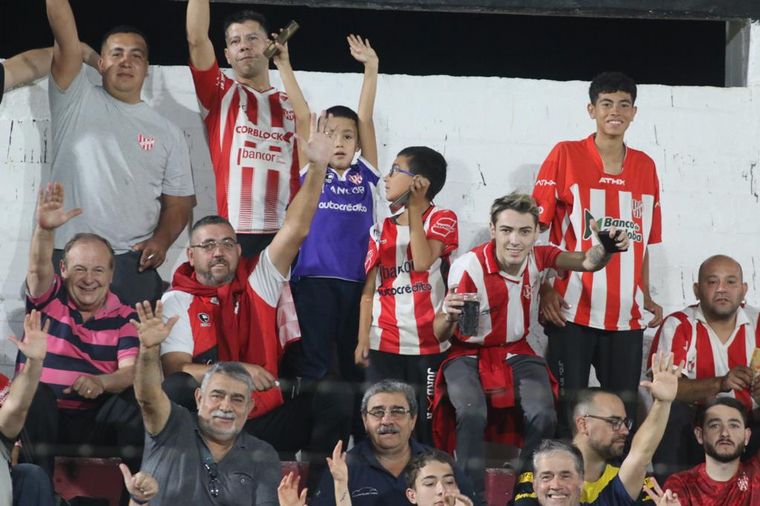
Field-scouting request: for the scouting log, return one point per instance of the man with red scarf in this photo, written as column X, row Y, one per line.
column 227, row 311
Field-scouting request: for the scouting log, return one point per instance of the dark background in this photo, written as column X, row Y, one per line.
column 673, row 52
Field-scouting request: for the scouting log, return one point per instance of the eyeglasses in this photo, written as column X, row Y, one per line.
column 396, row 169
column 615, row 421
column 395, row 412
column 213, row 479
column 211, row 245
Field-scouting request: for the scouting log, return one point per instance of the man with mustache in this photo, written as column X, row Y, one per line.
column 376, row 464
column 715, row 338
column 206, row 459
column 226, row 308
column 722, row 480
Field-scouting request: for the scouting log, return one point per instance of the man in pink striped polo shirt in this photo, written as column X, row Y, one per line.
column 85, row 394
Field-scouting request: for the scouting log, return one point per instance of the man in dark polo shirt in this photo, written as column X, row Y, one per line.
column 376, row 465
column 203, row 459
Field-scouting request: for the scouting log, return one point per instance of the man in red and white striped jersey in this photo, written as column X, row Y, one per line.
column 598, row 318
column 495, row 366
column 251, row 126
column 715, row 338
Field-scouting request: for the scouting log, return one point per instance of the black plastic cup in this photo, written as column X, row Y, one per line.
column 470, row 317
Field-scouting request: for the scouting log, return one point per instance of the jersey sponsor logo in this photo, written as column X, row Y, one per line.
column 631, row 227
column 355, row 178
column 429, row 391
column 546, row 182
column 263, row 134
column 612, row 180
column 146, row 142
column 254, row 154
column 392, row 272
column 355, row 190
column 205, row 319
column 400, row 290
column 637, row 208
column 348, row 208
column 444, row 227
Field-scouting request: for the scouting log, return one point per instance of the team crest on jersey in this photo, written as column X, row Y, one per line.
column 527, row 292
column 444, row 227
column 355, row 178
column 329, row 177
column 743, row 482
column 605, row 222
column 691, row 365
column 205, row 319
column 146, row 142
column 637, row 208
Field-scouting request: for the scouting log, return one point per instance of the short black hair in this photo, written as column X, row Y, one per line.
column 211, row 219
column 125, row 29
column 429, row 163
column 243, row 16
column 415, row 465
column 341, row 111
column 610, row 82
column 699, row 417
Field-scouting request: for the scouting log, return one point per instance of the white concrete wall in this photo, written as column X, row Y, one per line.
column 494, row 132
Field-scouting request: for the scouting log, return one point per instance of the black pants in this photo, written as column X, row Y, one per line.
column 312, row 420
column 420, row 372
column 130, row 285
column 115, row 429
column 31, row 486
column 615, row 355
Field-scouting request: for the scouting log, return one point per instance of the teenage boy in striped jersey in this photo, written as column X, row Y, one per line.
column 496, row 367
column 599, row 318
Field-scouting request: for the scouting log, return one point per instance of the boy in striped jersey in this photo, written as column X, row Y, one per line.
column 496, row 367
column 598, row 318
column 406, row 266
column 716, row 338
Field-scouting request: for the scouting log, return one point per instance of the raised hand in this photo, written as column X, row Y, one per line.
column 362, row 51
column 34, row 344
column 281, row 56
column 50, row 213
column 319, row 147
column 151, row 329
column 141, row 486
column 287, row 492
column 418, row 191
column 664, row 384
column 660, row 498
column 337, row 464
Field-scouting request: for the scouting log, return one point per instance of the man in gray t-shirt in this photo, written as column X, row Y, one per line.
column 121, row 162
column 208, row 459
